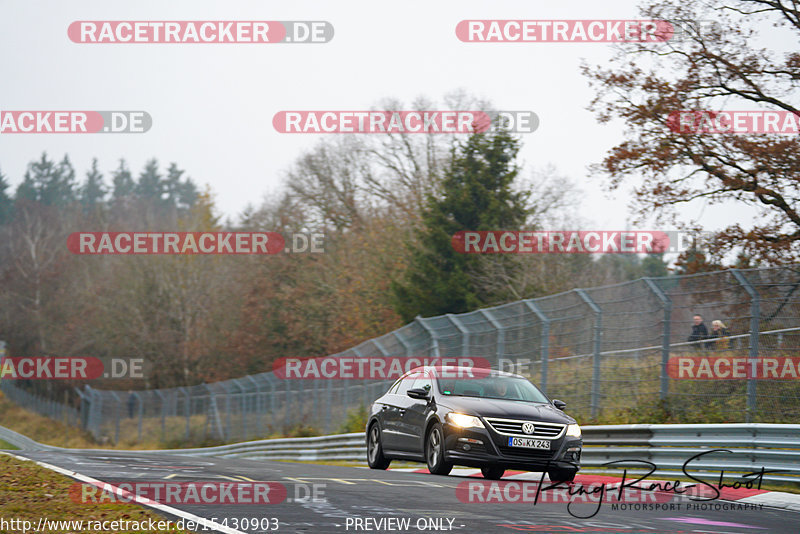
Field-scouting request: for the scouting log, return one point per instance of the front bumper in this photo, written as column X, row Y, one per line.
column 462, row 448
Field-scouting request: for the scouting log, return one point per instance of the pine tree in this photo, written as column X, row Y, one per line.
column 6, row 203
column 181, row 194
column 47, row 182
column 122, row 181
column 150, row 185
column 93, row 191
column 476, row 194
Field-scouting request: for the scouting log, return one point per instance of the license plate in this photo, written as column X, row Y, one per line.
column 529, row 443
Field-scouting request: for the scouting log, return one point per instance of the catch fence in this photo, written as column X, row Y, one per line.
column 604, row 351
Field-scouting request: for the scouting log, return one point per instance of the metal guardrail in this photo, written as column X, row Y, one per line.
column 18, row 440
column 752, row 446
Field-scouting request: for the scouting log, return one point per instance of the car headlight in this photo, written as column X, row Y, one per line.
column 463, row 421
column 574, row 431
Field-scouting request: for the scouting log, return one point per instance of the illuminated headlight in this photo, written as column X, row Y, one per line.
column 574, row 431
column 463, row 421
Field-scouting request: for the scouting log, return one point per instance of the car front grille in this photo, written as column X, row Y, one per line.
column 526, row 454
column 513, row 427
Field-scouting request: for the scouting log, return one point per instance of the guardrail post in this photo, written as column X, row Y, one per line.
column 598, row 331
column 545, row 341
column 667, row 305
column 755, row 318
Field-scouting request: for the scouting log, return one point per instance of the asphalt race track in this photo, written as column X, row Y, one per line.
column 384, row 499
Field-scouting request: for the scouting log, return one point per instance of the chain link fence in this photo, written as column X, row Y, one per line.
column 605, row 351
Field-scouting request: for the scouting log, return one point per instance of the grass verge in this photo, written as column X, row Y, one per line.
column 7, row 446
column 29, row 492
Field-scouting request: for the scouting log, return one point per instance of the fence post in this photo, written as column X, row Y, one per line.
column 364, row 381
column 241, row 406
column 464, row 335
column 163, row 410
column 119, row 413
column 755, row 318
column 667, row 305
column 95, row 411
column 187, row 409
column 598, row 317
column 545, row 341
column 403, row 343
column 432, row 333
column 288, row 411
column 140, row 410
column 385, row 354
column 257, row 404
column 269, row 377
column 501, row 334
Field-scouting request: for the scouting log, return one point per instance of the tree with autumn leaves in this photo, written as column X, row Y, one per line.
column 718, row 64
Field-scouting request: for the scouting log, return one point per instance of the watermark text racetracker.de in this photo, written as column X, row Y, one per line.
column 698, row 367
column 373, row 367
column 577, row 242
column 101, row 243
column 404, row 122
column 582, row 31
column 73, row 122
column 734, row 122
column 199, row 31
column 71, row 368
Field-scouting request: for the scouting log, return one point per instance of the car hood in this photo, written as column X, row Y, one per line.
column 506, row 409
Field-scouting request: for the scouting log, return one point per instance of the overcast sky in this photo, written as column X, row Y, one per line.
column 212, row 105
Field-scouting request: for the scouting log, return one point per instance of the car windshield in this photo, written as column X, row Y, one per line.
column 492, row 387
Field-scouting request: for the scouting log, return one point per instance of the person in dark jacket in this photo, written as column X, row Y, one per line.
column 699, row 332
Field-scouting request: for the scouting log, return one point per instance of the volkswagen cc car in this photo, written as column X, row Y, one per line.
column 472, row 417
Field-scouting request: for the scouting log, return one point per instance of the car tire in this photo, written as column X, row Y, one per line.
column 492, row 472
column 434, row 451
column 562, row 475
column 375, row 457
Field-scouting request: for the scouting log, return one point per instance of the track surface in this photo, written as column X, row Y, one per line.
column 351, row 492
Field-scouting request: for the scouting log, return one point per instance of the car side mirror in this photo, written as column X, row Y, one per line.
column 559, row 404
column 418, row 393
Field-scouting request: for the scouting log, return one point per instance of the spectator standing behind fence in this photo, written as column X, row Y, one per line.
column 699, row 332
column 719, row 334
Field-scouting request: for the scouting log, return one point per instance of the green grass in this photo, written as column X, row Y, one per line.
column 29, row 492
column 7, row 446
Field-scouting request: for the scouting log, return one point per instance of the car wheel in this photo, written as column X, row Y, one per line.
column 434, row 452
column 375, row 457
column 562, row 475
column 492, row 472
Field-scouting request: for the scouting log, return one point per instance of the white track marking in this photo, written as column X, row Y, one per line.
column 128, row 495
